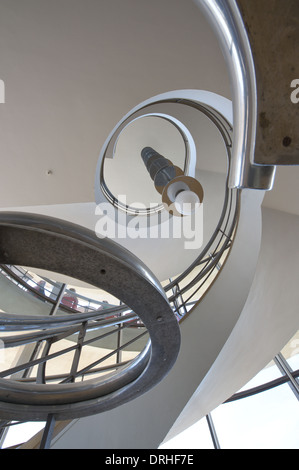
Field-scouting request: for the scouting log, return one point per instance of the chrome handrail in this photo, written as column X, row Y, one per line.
column 227, row 23
column 184, row 298
column 55, row 245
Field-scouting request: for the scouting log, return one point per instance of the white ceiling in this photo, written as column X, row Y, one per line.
column 73, row 68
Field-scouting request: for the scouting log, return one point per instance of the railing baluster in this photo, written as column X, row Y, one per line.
column 78, row 351
column 48, row 432
column 58, row 300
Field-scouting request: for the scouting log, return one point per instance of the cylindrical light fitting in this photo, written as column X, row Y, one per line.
column 181, row 194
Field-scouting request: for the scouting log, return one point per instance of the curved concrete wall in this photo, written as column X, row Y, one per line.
column 268, row 321
column 144, row 422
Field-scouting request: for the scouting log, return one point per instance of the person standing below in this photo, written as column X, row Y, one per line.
column 70, row 299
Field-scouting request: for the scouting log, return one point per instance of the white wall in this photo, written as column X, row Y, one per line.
column 72, row 69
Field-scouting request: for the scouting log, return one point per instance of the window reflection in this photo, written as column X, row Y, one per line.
column 268, row 418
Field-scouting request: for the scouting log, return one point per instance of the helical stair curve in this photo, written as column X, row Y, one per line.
column 61, row 247
column 57, row 246
column 206, row 263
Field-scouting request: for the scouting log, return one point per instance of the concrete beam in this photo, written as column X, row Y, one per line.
column 273, row 31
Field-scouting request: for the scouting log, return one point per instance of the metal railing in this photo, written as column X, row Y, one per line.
column 71, row 363
column 82, row 330
column 116, row 335
column 90, row 325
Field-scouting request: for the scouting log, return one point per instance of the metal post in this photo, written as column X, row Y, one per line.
column 183, row 304
column 286, row 370
column 218, row 265
column 175, row 300
column 48, row 432
column 4, row 426
column 78, row 350
column 213, row 431
column 58, row 300
column 119, row 341
column 39, row 344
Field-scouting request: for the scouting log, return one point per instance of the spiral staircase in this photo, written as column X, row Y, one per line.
column 136, row 340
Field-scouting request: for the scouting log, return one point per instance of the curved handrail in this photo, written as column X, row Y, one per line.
column 215, row 107
column 226, row 20
column 50, row 244
column 228, row 26
column 221, row 240
column 189, row 166
column 217, row 247
column 240, row 172
column 218, row 110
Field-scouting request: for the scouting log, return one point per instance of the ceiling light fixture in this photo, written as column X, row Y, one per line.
column 181, row 194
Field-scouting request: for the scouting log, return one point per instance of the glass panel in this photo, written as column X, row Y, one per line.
column 270, row 372
column 196, row 437
column 294, row 363
column 19, row 433
column 268, row 420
